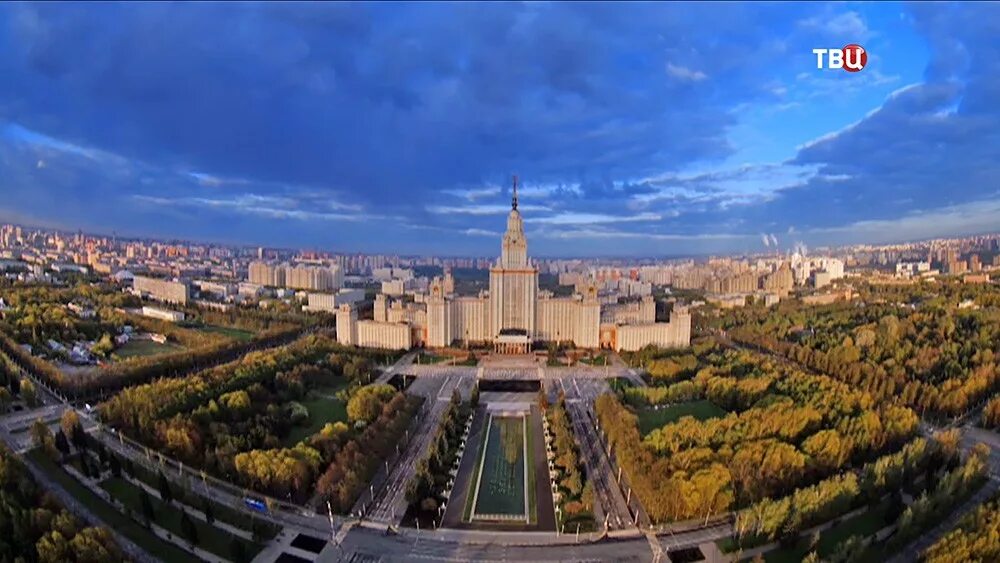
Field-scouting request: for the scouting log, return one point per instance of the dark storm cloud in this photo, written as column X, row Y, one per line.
column 293, row 122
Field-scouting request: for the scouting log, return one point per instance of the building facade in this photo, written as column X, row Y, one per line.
column 168, row 291
column 513, row 314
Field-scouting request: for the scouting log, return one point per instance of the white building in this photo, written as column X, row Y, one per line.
column 513, row 314
column 162, row 290
column 163, row 314
column 331, row 302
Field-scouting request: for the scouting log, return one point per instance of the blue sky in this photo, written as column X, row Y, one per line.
column 637, row 129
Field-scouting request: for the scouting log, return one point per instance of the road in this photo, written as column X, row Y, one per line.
column 614, row 511
column 390, row 503
column 69, row 502
column 369, row 546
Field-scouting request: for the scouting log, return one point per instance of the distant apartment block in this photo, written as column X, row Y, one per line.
column 331, row 302
column 163, row 314
column 162, row 290
column 301, row 276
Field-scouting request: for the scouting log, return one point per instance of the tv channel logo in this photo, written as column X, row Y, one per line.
column 851, row 58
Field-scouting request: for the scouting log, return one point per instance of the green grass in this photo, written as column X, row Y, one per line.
column 601, row 360
column 143, row 348
column 168, row 516
column 620, row 383
column 321, row 411
column 237, row 334
column 425, row 358
column 862, row 525
column 650, row 419
column 142, row 537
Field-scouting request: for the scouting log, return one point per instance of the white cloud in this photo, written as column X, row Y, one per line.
column 847, row 26
column 593, row 218
column 963, row 219
column 685, row 73
column 253, row 204
column 498, row 209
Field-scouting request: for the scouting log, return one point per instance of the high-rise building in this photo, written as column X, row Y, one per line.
column 514, row 314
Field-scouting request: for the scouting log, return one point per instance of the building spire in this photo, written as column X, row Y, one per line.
column 513, row 202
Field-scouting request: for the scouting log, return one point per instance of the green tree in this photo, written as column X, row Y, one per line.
column 237, row 551
column 366, row 403
column 188, row 529
column 5, row 399
column 61, row 443
column 95, row 545
column 206, row 507
column 146, row 504
column 41, row 437
column 69, row 422
column 104, row 346
column 53, row 548
column 166, row 494
column 28, row 392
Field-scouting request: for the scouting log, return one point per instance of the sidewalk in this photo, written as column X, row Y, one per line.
column 161, row 532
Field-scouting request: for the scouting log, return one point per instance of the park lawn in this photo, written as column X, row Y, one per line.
column 237, row 334
column 601, row 360
column 168, row 516
column 223, row 513
column 650, row 418
column 322, row 409
column 620, row 383
column 425, row 358
column 862, row 525
column 142, row 537
column 143, row 348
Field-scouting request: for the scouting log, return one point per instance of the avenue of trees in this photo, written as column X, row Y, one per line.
column 936, row 503
column 231, row 420
column 357, row 456
column 977, row 538
column 40, row 313
column 905, row 345
column 775, row 518
column 786, row 429
column 426, row 492
column 35, row 527
column 991, row 413
column 576, row 501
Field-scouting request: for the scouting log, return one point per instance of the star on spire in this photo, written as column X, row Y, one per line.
column 513, row 202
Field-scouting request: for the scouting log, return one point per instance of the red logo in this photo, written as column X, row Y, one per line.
column 855, row 57
column 851, row 58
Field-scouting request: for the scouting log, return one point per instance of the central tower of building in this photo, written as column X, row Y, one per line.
column 514, row 285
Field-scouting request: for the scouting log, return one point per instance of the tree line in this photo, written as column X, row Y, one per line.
column 919, row 349
column 787, row 430
column 576, row 500
column 976, row 538
column 426, row 492
column 35, row 527
column 231, row 420
column 783, row 517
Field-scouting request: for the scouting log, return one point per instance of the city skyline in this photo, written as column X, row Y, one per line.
column 373, row 129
